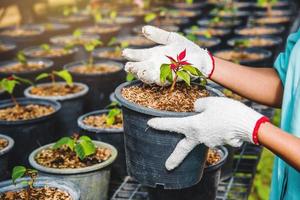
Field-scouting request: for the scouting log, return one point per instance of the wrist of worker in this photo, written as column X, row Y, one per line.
column 259, row 129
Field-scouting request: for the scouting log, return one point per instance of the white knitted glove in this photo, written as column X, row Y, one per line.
column 148, row 61
column 221, row 121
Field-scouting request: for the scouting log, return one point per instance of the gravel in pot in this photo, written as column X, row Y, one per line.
column 6, row 145
column 31, row 123
column 206, row 189
column 7, row 50
column 135, row 41
column 91, row 174
column 230, row 14
column 260, row 31
column 120, row 20
column 187, row 6
column 98, row 126
column 275, row 12
column 218, row 22
column 170, row 28
column 180, row 13
column 75, row 20
column 272, row 21
column 44, row 189
column 211, row 44
column 148, row 149
column 102, row 78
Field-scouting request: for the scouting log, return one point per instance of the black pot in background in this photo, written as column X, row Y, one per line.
column 58, row 61
column 97, row 54
column 100, row 85
column 4, row 155
column 29, row 134
column 206, row 189
column 279, row 31
column 215, row 43
column 147, row 149
column 9, row 52
column 104, row 35
column 239, row 15
column 228, row 23
column 126, row 22
column 52, row 29
column 72, row 106
column 186, row 6
column 227, row 169
column 113, row 136
column 77, row 21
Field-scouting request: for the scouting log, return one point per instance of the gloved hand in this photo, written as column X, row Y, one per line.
column 221, row 121
column 148, row 61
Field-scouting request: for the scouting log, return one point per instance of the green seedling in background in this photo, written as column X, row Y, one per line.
column 242, row 43
column 113, row 15
column 113, row 113
column 22, row 58
column 69, row 10
column 268, row 4
column 130, row 77
column 63, row 74
column 97, row 15
column 46, row 47
column 149, row 17
column 83, row 146
column 77, row 33
column 119, row 45
column 90, row 47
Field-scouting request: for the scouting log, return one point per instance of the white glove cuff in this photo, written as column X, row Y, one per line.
column 207, row 64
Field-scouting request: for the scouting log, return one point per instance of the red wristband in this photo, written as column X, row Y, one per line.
column 256, row 128
column 213, row 64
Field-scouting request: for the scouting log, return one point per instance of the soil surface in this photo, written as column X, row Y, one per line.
column 19, row 67
column 70, row 40
column 210, row 31
column 3, row 143
column 96, row 69
column 137, row 41
column 43, row 193
column 26, row 112
column 272, row 20
column 19, row 32
column 64, row 158
column 3, row 48
column 237, row 56
column 181, row 13
column 213, row 157
column 56, row 52
column 102, row 29
column 99, row 121
column 257, row 42
column 206, row 43
column 258, row 31
column 55, row 90
column 182, row 99
column 111, row 54
column 168, row 21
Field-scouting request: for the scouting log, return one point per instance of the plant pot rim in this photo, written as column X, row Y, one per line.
column 129, row 37
column 9, row 45
column 94, row 129
column 81, row 62
column 119, row 20
column 225, row 30
column 54, row 39
column 235, row 22
column 36, row 27
column 25, row 101
column 48, row 64
column 239, row 13
column 83, row 92
column 63, row 185
column 277, row 40
column 96, row 167
column 220, row 162
column 56, row 26
column 112, row 97
column 106, row 49
column 28, row 51
column 196, row 13
column 10, row 145
column 279, row 29
column 151, row 111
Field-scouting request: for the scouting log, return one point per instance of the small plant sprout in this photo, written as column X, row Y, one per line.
column 242, row 43
column 9, row 84
column 63, row 74
column 113, row 113
column 21, row 171
column 45, row 47
column 120, row 45
column 268, row 4
column 90, row 47
column 22, row 58
column 130, row 77
column 150, row 17
column 215, row 20
column 179, row 68
column 69, row 10
column 77, row 33
column 113, row 15
column 83, row 146
column 97, row 17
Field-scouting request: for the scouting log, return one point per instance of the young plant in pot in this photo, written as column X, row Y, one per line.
column 53, row 28
column 6, row 145
column 71, row 96
column 79, row 160
column 187, row 4
column 272, row 21
column 219, row 22
column 102, row 77
column 27, row 121
column 230, row 13
column 60, row 55
column 134, row 41
column 26, row 185
column 142, row 102
column 7, row 50
column 107, row 126
column 260, row 31
column 209, row 42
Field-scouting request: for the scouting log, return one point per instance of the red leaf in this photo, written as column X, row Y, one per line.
column 171, row 59
column 173, row 66
column 184, row 63
column 182, row 55
column 11, row 78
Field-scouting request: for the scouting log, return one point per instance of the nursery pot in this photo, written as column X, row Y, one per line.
column 113, row 136
column 52, row 29
column 212, row 44
column 93, row 181
column 98, row 54
column 100, row 30
column 72, row 106
column 278, row 32
column 9, row 52
column 147, row 149
column 228, row 23
column 71, row 20
column 206, row 189
column 4, row 155
column 101, row 84
column 62, row 185
column 29, row 134
column 227, row 169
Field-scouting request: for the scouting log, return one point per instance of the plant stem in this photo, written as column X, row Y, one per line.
column 269, row 9
column 14, row 100
column 52, row 78
column 174, row 82
column 91, row 60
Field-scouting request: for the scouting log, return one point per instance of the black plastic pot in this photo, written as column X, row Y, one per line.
column 215, row 43
column 240, row 15
column 186, row 6
column 228, row 23
column 4, row 155
column 206, row 189
column 113, row 136
column 266, row 61
column 99, row 30
column 126, row 22
column 52, row 29
column 147, row 149
column 9, row 52
column 278, row 31
column 58, row 61
column 29, row 134
column 72, row 106
column 97, row 53
column 228, row 167
column 75, row 21
column 100, row 85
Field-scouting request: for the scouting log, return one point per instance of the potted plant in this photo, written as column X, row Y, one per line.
column 230, row 13
column 79, row 160
column 7, row 50
column 205, row 189
column 53, row 28
column 60, row 55
column 107, row 126
column 33, row 187
column 268, row 5
column 187, row 4
column 219, row 22
column 260, row 31
column 71, row 96
column 135, row 41
column 27, row 121
column 102, row 77
column 142, row 144
column 6, row 145
column 209, row 42
column 272, row 21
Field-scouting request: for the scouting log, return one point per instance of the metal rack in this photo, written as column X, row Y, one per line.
column 237, row 187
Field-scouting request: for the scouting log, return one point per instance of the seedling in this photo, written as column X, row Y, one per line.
column 9, row 84
column 97, row 15
column 113, row 113
column 21, row 171
column 120, row 45
column 83, row 146
column 64, row 74
column 113, row 15
column 67, row 11
column 45, row 47
column 77, row 33
column 130, row 77
column 179, row 68
column 22, row 58
column 242, row 43
column 268, row 4
column 215, row 20
column 150, row 17
column 90, row 47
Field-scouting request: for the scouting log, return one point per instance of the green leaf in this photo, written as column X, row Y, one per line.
column 111, row 116
column 42, row 76
column 86, row 138
column 90, row 46
column 150, row 17
column 192, row 37
column 45, row 47
column 184, row 76
column 65, row 74
column 113, row 15
column 124, row 44
column 85, row 148
column 130, row 77
column 64, row 141
column 22, row 58
column 190, row 69
column 18, row 172
column 77, row 33
column 112, row 41
column 189, row 1
column 165, row 71
column 113, row 104
column 194, row 28
column 97, row 16
column 8, row 85
column 22, row 80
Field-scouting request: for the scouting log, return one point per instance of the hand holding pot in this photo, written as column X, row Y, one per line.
column 221, row 121
column 147, row 62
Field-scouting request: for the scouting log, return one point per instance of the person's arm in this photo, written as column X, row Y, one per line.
column 262, row 85
column 280, row 143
